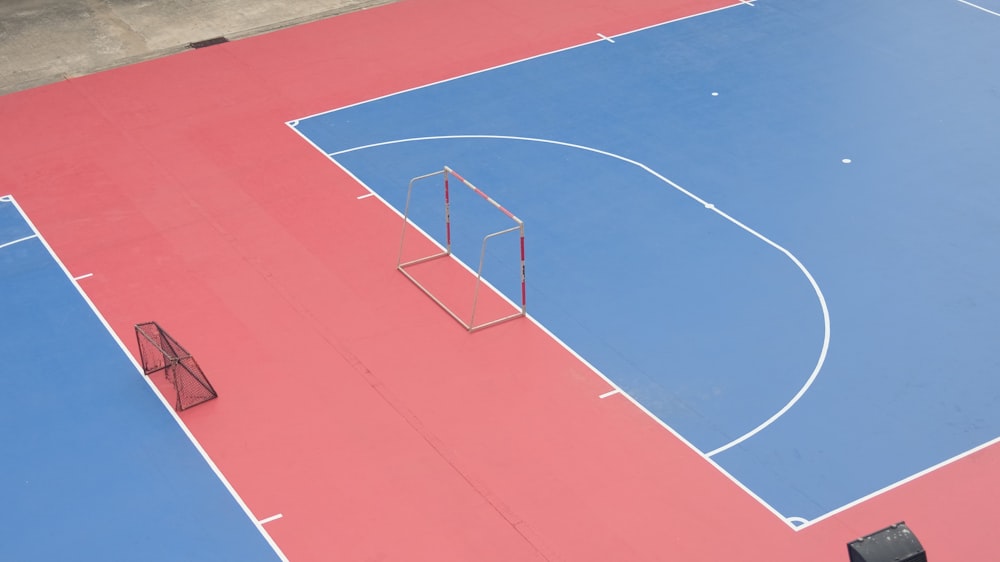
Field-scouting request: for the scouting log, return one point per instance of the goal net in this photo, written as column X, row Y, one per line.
column 466, row 314
column 160, row 353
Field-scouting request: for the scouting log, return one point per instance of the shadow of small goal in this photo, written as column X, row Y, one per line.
column 160, row 353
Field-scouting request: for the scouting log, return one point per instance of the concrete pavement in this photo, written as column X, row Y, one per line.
column 43, row 41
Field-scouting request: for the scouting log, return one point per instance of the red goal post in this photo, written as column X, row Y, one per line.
column 518, row 227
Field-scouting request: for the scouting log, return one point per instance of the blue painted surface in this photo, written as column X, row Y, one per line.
column 93, row 467
column 707, row 326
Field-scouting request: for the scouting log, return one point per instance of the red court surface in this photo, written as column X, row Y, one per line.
column 349, row 402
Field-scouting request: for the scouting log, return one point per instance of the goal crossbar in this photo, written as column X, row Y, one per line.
column 470, row 324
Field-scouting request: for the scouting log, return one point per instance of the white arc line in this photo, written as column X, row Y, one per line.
column 812, row 281
column 823, row 350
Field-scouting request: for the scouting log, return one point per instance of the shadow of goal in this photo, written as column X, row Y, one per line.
column 160, row 353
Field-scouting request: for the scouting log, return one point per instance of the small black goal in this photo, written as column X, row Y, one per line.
column 160, row 353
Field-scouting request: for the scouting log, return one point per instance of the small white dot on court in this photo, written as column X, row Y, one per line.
column 715, row 93
column 846, row 160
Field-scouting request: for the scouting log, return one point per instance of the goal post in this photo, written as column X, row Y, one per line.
column 517, row 227
column 159, row 352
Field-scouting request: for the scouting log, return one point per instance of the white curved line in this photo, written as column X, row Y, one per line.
column 812, row 281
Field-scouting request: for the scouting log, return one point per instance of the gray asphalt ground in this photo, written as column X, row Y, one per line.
column 44, row 41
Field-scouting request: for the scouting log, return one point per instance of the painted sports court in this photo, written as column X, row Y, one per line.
column 756, row 268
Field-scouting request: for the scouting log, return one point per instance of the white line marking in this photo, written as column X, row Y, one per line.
column 979, row 8
column 84, row 276
column 606, row 38
column 797, row 521
column 902, row 482
column 610, row 393
column 166, row 405
column 295, row 122
column 366, row 195
column 271, row 518
column 748, row 3
column 822, row 353
column 12, row 242
column 7, row 198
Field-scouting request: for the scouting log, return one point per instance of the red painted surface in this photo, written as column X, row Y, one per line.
column 350, row 403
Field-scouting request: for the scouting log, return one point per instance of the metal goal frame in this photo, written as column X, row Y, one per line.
column 470, row 324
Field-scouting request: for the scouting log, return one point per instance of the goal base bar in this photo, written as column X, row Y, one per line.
column 469, row 326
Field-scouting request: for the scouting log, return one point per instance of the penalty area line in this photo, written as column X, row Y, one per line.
column 979, row 7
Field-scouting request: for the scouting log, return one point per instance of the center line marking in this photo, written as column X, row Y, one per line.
column 609, row 393
column 271, row 518
column 606, row 38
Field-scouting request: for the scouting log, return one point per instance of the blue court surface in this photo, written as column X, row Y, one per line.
column 94, row 467
column 774, row 226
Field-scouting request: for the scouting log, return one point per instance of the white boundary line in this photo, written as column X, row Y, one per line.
column 295, row 122
column 166, row 405
column 979, row 7
column 902, row 482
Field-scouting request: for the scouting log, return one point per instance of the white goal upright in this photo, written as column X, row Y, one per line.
column 470, row 324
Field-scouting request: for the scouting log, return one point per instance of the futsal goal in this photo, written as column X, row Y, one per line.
column 470, row 322
column 159, row 353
